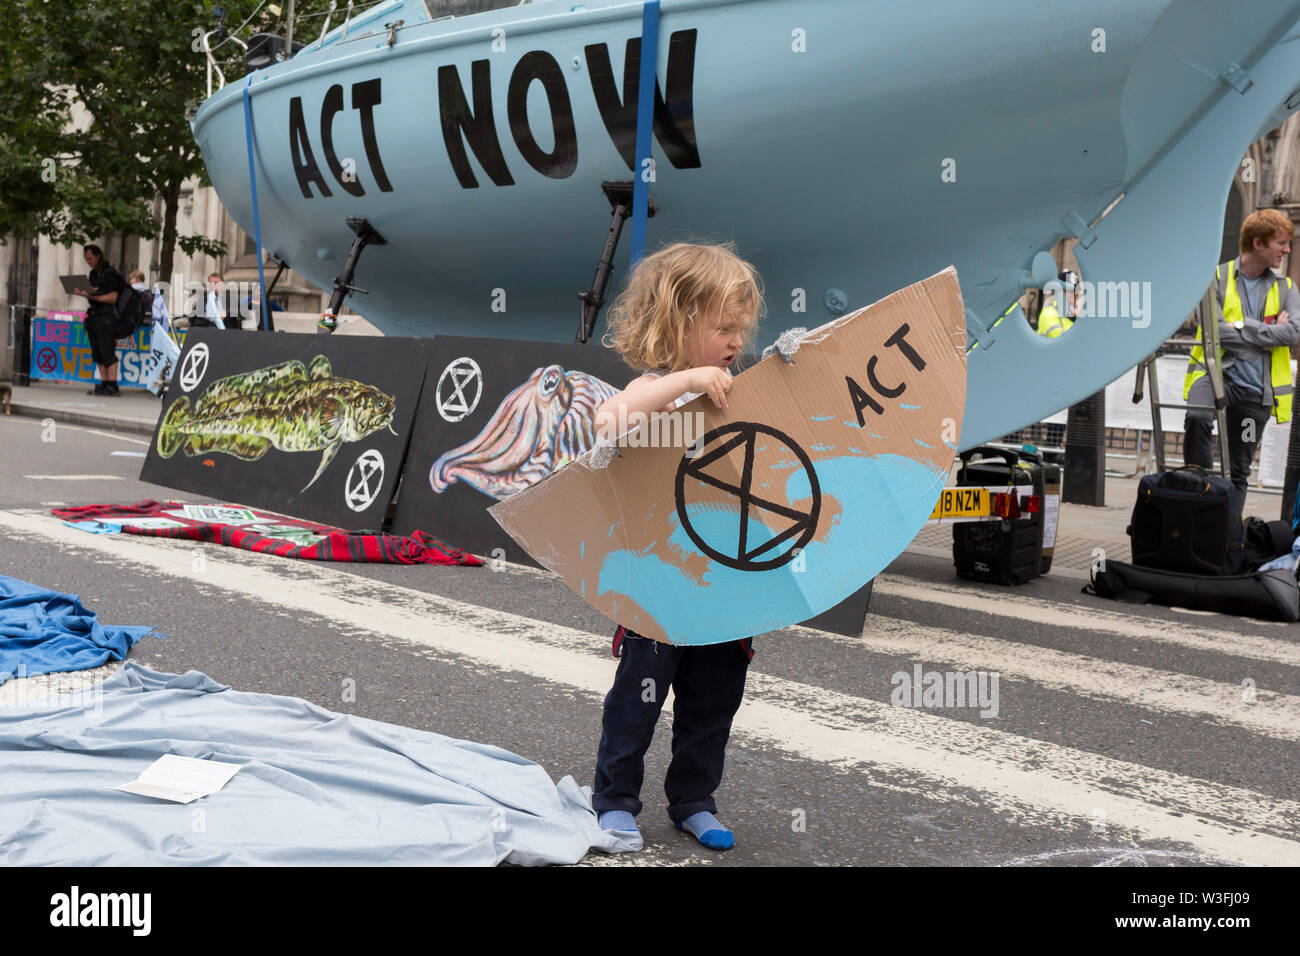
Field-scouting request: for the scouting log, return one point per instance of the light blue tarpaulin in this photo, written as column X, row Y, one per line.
column 42, row 632
column 315, row 788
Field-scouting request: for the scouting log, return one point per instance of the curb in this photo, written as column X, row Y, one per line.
column 1058, row 571
column 133, row 426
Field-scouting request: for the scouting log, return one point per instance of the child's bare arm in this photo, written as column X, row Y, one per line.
column 650, row 394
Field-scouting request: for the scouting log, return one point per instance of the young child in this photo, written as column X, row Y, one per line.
column 163, row 350
column 686, row 314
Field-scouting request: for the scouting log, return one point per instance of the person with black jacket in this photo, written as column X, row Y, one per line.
column 101, row 317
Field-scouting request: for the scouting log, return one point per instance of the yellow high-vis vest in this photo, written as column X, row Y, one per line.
column 1225, row 288
column 1051, row 323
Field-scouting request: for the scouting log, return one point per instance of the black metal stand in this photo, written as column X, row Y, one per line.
column 267, row 320
column 366, row 235
column 619, row 194
column 22, row 373
column 1085, row 452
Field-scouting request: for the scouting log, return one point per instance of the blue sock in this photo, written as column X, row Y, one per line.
column 705, row 827
column 617, row 820
column 623, row 822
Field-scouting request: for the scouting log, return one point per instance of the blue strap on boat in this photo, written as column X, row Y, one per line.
column 645, row 104
column 265, row 305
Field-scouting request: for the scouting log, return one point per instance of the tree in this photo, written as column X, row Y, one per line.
column 129, row 72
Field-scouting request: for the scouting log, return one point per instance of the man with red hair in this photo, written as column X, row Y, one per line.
column 1259, row 322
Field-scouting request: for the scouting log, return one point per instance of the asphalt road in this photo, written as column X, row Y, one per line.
column 1117, row 734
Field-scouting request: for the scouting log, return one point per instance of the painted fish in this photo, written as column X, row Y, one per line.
column 288, row 406
column 542, row 425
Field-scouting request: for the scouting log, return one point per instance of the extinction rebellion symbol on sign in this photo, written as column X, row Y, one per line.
column 736, row 547
column 365, row 478
column 451, row 398
column 194, row 366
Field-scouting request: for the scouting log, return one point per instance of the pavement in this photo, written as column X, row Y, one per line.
column 1099, row 733
column 134, row 411
column 1082, row 529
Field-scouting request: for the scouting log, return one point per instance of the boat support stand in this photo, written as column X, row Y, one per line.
column 619, row 194
column 365, row 235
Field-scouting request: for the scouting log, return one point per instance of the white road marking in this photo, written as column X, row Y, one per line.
column 73, row 685
column 73, row 477
column 898, row 749
column 1091, row 618
column 1116, row 856
column 40, row 423
column 128, row 454
column 1272, row 714
column 115, row 437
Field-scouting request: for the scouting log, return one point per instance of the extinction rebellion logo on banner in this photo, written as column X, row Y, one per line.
column 61, row 352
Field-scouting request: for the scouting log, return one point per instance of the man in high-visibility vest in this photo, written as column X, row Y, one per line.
column 1256, row 332
column 1051, row 322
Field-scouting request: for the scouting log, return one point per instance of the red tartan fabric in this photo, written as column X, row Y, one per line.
column 332, row 544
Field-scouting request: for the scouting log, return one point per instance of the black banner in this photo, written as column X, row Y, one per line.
column 310, row 426
column 496, row 416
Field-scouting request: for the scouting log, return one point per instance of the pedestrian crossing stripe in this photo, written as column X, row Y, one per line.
column 901, row 749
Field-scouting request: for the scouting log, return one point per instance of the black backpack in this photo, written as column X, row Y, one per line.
column 1265, row 540
column 134, row 309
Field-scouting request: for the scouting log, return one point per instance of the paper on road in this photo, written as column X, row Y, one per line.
column 181, row 779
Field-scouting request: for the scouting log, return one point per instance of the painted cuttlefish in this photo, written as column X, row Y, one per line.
column 542, row 425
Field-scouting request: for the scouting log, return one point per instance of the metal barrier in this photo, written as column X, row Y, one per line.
column 18, row 337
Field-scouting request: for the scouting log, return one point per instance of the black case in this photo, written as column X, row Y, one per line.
column 1189, row 521
column 1263, row 541
column 1269, row 595
column 1004, row 552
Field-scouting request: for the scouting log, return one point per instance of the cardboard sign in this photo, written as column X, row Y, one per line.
column 302, row 425
column 496, row 416
column 816, row 477
column 61, row 352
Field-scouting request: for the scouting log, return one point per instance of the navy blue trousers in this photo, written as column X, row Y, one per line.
column 708, row 683
column 1198, row 445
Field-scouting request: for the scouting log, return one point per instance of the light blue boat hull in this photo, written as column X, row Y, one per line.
column 897, row 143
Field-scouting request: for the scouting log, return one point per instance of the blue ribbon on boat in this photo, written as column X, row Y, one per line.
column 645, row 102
column 264, row 305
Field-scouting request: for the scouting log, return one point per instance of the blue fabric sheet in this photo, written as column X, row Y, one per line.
column 42, row 632
column 316, row 788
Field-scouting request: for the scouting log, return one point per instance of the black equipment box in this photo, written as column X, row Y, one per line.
column 1008, row 551
column 1187, row 520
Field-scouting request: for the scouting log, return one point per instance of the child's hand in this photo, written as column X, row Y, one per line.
column 710, row 380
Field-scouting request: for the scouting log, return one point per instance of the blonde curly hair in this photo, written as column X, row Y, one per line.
column 672, row 294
